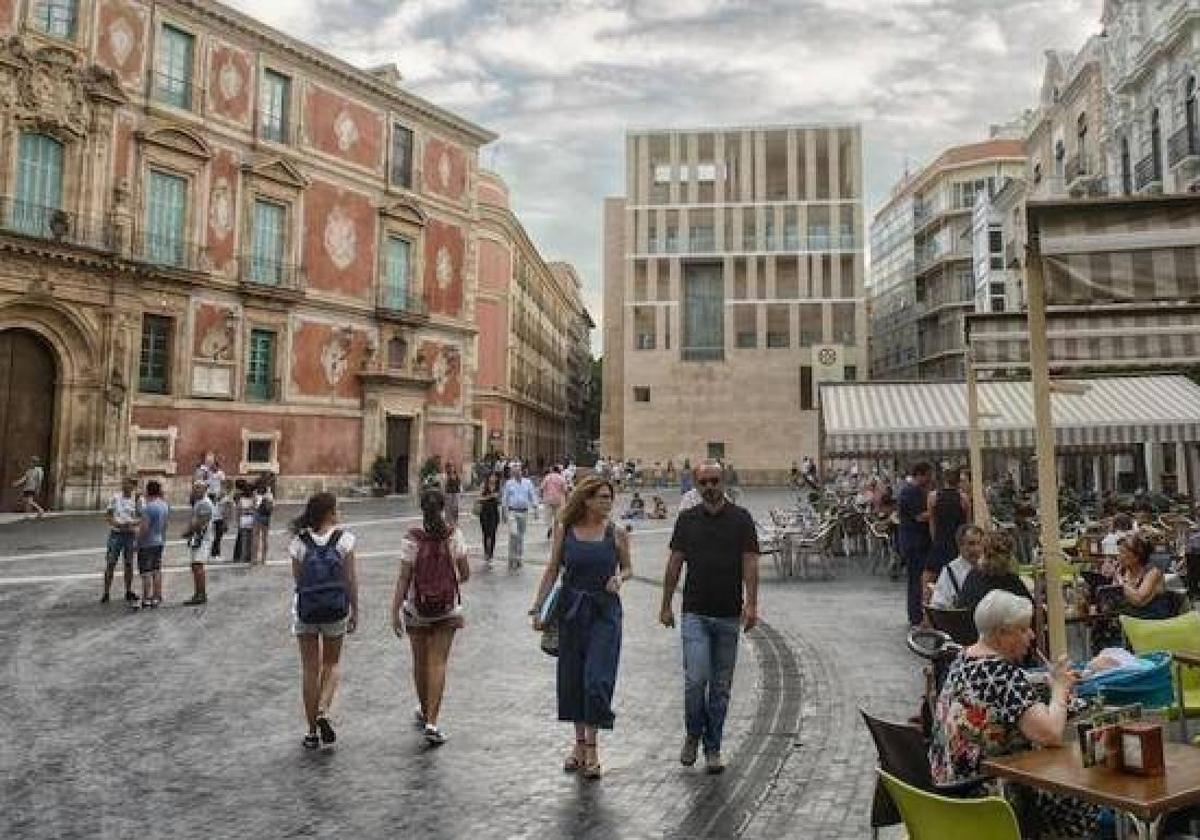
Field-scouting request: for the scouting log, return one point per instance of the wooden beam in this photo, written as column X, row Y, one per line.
column 979, row 508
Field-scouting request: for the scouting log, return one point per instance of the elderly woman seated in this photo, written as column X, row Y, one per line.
column 988, row 707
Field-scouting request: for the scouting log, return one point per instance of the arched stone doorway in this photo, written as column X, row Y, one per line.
column 28, row 377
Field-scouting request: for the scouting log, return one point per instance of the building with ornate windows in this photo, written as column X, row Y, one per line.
column 733, row 286
column 534, row 339
column 215, row 237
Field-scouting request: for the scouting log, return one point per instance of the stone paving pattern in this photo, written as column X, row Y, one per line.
column 185, row 722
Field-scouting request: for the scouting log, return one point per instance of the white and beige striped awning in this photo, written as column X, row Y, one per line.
column 869, row 419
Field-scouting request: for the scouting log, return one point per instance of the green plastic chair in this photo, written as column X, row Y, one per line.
column 928, row 816
column 1180, row 634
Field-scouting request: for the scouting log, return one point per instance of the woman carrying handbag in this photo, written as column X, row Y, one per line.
column 594, row 558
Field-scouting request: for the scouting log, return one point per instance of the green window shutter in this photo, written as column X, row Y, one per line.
column 402, row 153
column 267, row 243
column 57, row 17
column 274, row 95
column 154, row 362
column 39, row 183
column 174, row 83
column 166, row 214
column 395, row 281
column 260, row 368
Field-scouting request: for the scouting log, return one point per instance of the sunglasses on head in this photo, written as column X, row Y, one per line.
column 709, row 482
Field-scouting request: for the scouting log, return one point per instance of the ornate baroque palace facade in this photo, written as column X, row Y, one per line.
column 214, row 237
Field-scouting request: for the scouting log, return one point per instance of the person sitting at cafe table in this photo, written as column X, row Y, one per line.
column 950, row 582
column 988, row 707
column 997, row 569
column 1143, row 584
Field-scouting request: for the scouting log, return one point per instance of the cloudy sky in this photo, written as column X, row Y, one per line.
column 561, row 80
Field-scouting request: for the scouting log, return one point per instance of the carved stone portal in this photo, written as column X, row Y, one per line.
column 45, row 87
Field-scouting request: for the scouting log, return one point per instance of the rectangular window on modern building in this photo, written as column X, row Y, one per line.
column 811, row 327
column 843, row 323
column 173, row 79
column 703, row 313
column 851, row 373
column 39, row 184
column 166, row 215
column 745, row 326
column 395, row 272
column 716, row 450
column 778, row 326
column 154, row 363
column 643, row 328
column 402, row 156
column 260, row 366
column 806, row 388
column 268, row 238
column 274, row 94
column 641, row 394
column 56, row 17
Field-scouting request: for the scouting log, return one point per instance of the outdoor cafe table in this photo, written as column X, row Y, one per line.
column 1145, row 799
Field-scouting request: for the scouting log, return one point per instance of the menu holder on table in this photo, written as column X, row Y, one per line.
column 1142, row 749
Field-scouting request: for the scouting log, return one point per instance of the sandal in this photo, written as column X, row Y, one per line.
column 591, row 766
column 574, row 760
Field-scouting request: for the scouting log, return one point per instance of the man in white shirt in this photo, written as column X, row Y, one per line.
column 1121, row 527
column 954, row 574
column 123, row 515
column 517, row 498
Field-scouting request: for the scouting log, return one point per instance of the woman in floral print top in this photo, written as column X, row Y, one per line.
column 988, row 707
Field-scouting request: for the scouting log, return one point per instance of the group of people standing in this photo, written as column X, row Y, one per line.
column 578, row 595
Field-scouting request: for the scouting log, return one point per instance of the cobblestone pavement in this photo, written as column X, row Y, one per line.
column 185, row 722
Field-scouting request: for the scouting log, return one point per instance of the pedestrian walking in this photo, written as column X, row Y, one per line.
column 226, row 520
column 199, row 541
column 244, row 503
column 264, row 506
column 912, row 538
column 686, row 479
column 152, row 538
column 554, row 494
column 517, row 499
column 324, row 608
column 123, row 515
column 453, row 494
column 594, row 559
column 719, row 543
column 30, row 485
column 427, row 604
column 949, row 509
column 489, row 514
column 215, row 479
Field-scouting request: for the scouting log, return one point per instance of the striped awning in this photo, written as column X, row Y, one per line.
column 870, row 419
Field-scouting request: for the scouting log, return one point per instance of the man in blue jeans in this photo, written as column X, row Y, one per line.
column 719, row 543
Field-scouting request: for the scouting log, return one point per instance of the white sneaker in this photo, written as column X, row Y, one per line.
column 434, row 736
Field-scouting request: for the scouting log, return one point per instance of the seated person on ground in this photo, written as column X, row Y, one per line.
column 987, row 707
column 636, row 509
column 659, row 510
column 997, row 569
column 948, row 589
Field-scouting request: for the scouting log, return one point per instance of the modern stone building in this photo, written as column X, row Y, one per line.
column 215, row 237
column 733, row 286
column 922, row 276
column 532, row 325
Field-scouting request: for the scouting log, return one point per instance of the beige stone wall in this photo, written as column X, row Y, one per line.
column 611, row 418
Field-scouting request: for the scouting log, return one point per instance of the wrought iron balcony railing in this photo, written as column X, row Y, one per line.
column 176, row 91
column 56, row 225
column 171, row 252
column 400, row 302
column 1183, row 144
column 264, row 273
column 1147, row 172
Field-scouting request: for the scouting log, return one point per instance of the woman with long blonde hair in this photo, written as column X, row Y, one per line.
column 593, row 556
column 997, row 569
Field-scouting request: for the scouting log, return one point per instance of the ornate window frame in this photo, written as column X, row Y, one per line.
column 281, row 182
column 170, row 434
column 246, row 466
column 174, row 150
column 84, row 15
column 404, row 220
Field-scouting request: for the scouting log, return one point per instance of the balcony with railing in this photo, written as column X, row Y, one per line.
column 268, row 277
column 171, row 252
column 55, row 225
column 400, row 304
column 1183, row 146
column 1147, row 174
column 174, row 90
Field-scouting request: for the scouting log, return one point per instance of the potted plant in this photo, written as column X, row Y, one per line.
column 383, row 476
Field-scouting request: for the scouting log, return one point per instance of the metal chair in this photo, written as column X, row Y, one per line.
column 959, row 625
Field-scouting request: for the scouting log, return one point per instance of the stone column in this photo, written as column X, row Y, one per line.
column 1098, row 473
column 1152, row 452
column 1184, row 479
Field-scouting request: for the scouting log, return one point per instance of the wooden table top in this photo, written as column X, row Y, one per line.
column 1061, row 770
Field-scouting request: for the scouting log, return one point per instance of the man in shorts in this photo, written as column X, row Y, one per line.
column 200, row 540
column 30, row 484
column 152, row 537
column 123, row 516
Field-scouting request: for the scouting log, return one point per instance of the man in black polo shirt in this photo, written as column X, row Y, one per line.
column 719, row 543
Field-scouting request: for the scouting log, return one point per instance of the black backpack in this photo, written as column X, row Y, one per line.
column 322, row 596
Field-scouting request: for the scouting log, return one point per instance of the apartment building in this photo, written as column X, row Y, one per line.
column 733, row 287
column 214, row 237
column 534, row 337
column 922, row 274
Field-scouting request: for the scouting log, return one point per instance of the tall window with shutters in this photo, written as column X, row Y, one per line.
column 267, row 242
column 274, row 93
column 39, row 183
column 56, row 17
column 166, row 216
column 402, row 156
column 395, row 272
column 173, row 78
column 154, row 363
column 260, row 366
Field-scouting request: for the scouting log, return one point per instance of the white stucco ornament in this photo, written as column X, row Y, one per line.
column 443, row 168
column 229, row 80
column 345, row 130
column 335, row 360
column 440, row 371
column 444, row 268
column 221, row 212
column 120, row 40
column 341, row 241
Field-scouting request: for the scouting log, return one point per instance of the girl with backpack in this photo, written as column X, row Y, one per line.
column 433, row 564
column 595, row 560
column 324, row 609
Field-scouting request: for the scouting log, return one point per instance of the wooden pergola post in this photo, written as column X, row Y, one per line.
column 1047, row 469
column 979, row 509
